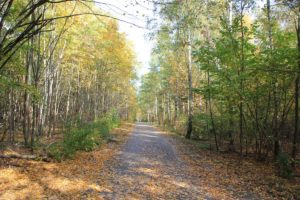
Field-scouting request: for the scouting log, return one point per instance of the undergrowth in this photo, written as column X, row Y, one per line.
column 83, row 137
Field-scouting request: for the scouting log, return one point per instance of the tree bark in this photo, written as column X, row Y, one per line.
column 241, row 109
column 190, row 89
column 296, row 119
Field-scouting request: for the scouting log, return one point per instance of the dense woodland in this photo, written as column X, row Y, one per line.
column 220, row 99
column 60, row 64
column 227, row 72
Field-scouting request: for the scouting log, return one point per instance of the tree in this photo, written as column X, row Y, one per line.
column 73, row 64
column 245, row 85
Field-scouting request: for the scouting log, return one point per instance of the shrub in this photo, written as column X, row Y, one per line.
column 84, row 138
column 284, row 165
column 180, row 124
column 200, row 125
column 56, row 151
column 108, row 122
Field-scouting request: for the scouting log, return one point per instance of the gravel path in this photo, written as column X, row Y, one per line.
column 148, row 167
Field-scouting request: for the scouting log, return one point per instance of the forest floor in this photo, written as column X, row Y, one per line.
column 228, row 176
column 160, row 165
column 146, row 164
column 70, row 179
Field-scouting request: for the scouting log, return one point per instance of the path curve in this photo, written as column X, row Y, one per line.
column 148, row 167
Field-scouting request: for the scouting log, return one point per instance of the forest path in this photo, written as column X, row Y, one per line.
column 148, row 167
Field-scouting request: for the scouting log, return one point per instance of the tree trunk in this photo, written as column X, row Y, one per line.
column 274, row 84
column 26, row 105
column 11, row 117
column 241, row 109
column 213, row 128
column 294, row 151
column 190, row 89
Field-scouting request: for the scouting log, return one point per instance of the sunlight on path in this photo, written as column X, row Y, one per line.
column 148, row 168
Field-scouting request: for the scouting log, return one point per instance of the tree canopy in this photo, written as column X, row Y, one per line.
column 244, row 74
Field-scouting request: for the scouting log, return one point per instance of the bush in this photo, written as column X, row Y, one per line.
column 180, row 124
column 284, row 165
column 200, row 125
column 56, row 151
column 84, row 138
column 107, row 123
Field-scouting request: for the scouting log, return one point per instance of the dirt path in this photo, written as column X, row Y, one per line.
column 148, row 167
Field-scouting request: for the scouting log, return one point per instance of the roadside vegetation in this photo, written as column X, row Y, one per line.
column 226, row 73
column 60, row 85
